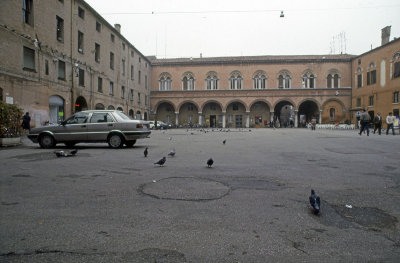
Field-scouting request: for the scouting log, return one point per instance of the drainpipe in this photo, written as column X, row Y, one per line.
column 72, row 62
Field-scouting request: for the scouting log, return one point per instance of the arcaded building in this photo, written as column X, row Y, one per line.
column 252, row 91
column 59, row 57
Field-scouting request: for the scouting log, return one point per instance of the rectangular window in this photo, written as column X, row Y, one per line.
column 396, row 97
column 97, row 52
column 61, row 70
column 145, row 100
column 111, row 60
column 132, row 72
column 138, row 98
column 359, row 81
column 112, row 38
column 123, row 46
column 139, row 77
column 29, row 58
column 99, row 84
column 111, row 92
column 80, row 42
column 396, row 72
column 131, row 94
column 98, row 27
column 60, row 28
column 358, row 102
column 81, row 12
column 373, row 77
column 145, row 81
column 122, row 92
column 368, row 78
column 81, row 77
column 371, row 100
column 46, row 67
column 123, row 67
column 27, row 11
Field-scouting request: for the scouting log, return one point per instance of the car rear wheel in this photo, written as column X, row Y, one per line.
column 47, row 141
column 115, row 141
column 130, row 143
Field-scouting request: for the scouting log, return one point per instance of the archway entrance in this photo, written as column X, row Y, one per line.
column 110, row 107
column 284, row 113
column 145, row 116
column 259, row 114
column 212, row 113
column 165, row 112
column 236, row 113
column 80, row 104
column 120, row 109
column 138, row 115
column 188, row 114
column 99, row 106
column 307, row 110
column 56, row 109
column 131, row 113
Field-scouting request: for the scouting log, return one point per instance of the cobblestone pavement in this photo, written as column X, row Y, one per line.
column 108, row 205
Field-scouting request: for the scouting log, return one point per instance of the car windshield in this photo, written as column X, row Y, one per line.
column 122, row 115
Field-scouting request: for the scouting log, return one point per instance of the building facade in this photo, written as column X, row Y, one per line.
column 59, row 57
column 252, row 91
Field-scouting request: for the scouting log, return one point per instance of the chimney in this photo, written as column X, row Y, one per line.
column 118, row 28
column 385, row 35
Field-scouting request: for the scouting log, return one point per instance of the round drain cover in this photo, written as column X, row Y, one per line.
column 185, row 188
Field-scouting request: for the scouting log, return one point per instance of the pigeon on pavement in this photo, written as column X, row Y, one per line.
column 315, row 202
column 161, row 162
column 172, row 153
column 73, row 152
column 224, row 141
column 146, row 152
column 210, row 162
column 59, row 153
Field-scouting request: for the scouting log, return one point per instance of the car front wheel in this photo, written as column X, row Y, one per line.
column 115, row 141
column 47, row 141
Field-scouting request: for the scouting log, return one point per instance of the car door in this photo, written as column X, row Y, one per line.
column 99, row 126
column 73, row 129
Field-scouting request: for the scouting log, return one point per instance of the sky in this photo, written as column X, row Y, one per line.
column 218, row 28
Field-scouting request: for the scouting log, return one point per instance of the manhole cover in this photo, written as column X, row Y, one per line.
column 185, row 188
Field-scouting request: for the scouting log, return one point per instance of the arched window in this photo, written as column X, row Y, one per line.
column 395, row 66
column 99, row 106
column 308, row 80
column 131, row 113
column 188, row 81
column 359, row 77
column 164, row 81
column 260, row 80
column 333, row 79
column 111, row 107
column 138, row 115
column 235, row 80
column 284, row 80
column 211, row 80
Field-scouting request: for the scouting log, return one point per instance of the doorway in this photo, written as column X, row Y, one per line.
column 213, row 121
column 238, row 121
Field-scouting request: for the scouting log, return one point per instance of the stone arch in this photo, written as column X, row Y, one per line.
column 284, row 112
column 237, row 114
column 339, row 111
column 164, row 101
column 210, row 101
column 188, row 115
column 260, row 100
column 80, row 104
column 260, row 113
column 178, row 108
column 307, row 110
column 110, row 107
column 310, row 99
column 236, row 100
column 99, row 106
column 165, row 111
column 131, row 114
column 333, row 99
column 120, row 108
column 287, row 100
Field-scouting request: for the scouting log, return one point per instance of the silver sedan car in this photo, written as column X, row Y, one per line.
column 109, row 126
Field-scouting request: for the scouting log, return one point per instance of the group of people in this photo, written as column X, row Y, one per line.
column 365, row 120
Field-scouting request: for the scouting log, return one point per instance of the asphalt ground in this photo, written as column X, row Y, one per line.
column 106, row 205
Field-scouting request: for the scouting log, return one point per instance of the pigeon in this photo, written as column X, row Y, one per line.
column 210, row 162
column 315, row 202
column 59, row 153
column 161, row 162
column 145, row 152
column 73, row 152
column 224, row 141
column 172, row 153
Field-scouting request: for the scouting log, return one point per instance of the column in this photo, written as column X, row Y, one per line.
column 200, row 118
column 320, row 117
column 296, row 118
column 247, row 119
column 223, row 119
column 177, row 119
column 271, row 115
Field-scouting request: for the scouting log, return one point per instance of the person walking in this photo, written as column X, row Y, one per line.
column 313, row 123
column 26, row 122
column 378, row 123
column 390, row 122
column 364, row 120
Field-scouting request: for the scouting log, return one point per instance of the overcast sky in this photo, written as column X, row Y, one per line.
column 186, row 28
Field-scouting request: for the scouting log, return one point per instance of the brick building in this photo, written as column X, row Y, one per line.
column 61, row 56
column 58, row 57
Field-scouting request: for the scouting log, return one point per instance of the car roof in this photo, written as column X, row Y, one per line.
column 92, row 111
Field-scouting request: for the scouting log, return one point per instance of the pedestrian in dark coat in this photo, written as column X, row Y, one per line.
column 378, row 123
column 26, row 122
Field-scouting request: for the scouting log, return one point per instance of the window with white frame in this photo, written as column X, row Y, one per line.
column 188, row 81
column 333, row 79
column 29, row 59
column 308, row 80
column 260, row 80
column 165, row 81
column 211, row 81
column 235, row 80
column 284, row 80
column 111, row 91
